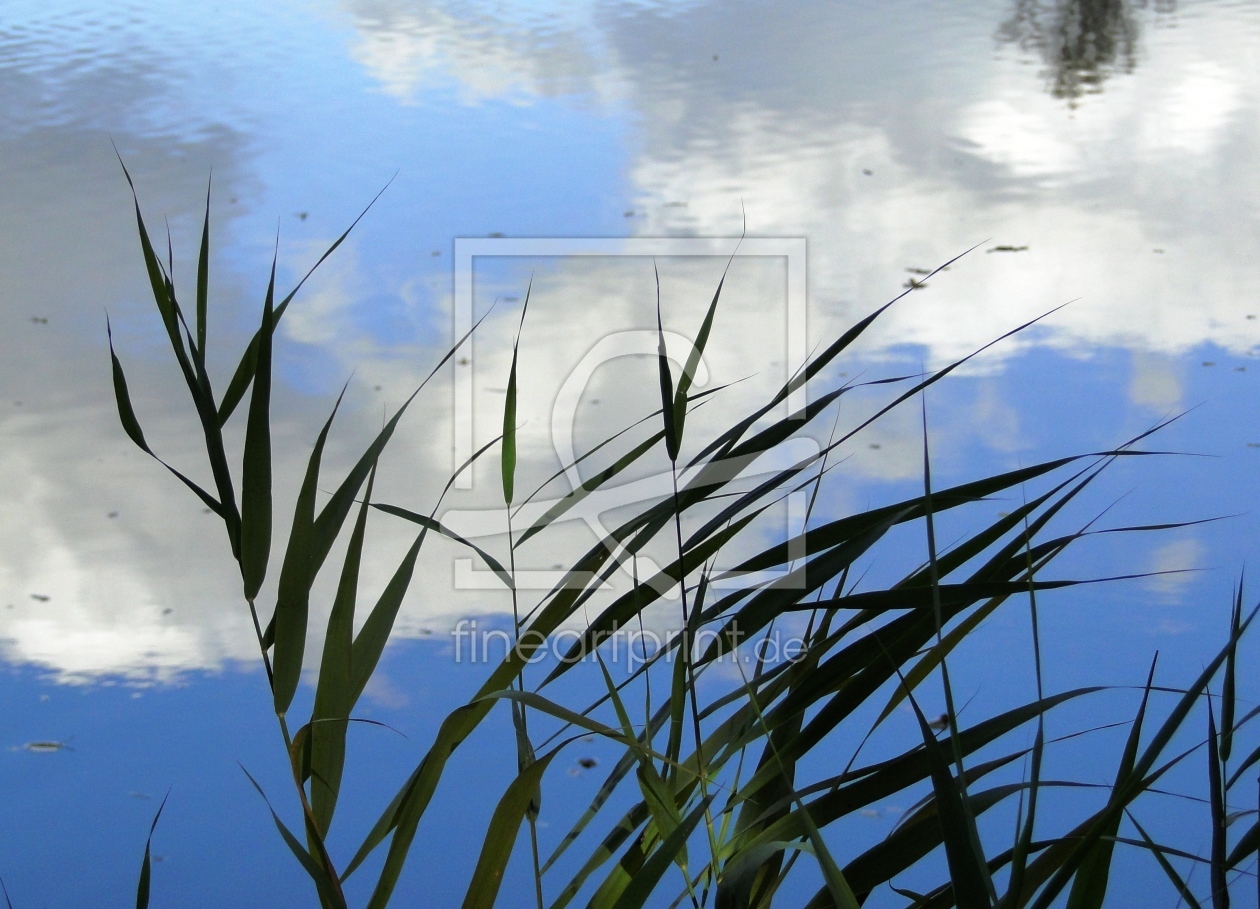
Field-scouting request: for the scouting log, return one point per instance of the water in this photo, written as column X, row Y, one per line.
column 1116, row 172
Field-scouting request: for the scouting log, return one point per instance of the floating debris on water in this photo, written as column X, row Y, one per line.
column 42, row 747
column 1007, row 249
column 912, row 284
column 39, row 597
column 869, row 812
column 919, row 271
column 939, row 724
column 1209, row 362
column 587, row 763
column 39, row 320
column 139, row 795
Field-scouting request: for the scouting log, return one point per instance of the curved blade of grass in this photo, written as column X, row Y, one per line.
column 333, row 699
column 501, row 834
column 1135, row 781
column 256, row 483
column 1216, row 791
column 203, row 279
column 666, row 379
column 509, row 410
column 142, row 888
column 643, row 883
column 370, row 642
column 131, row 425
column 328, row 887
column 1228, row 696
column 1183, row 889
column 247, row 367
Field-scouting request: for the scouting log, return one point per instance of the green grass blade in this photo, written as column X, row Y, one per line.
column 666, row 379
column 1183, row 889
column 288, row 628
column 203, row 279
column 246, row 368
column 333, row 699
column 142, row 888
column 642, row 885
column 1216, row 799
column 509, row 411
column 256, row 479
column 370, row 642
column 501, row 834
column 693, row 362
column 329, row 889
column 1228, row 696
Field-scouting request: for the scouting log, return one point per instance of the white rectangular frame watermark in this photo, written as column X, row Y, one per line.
column 793, row 249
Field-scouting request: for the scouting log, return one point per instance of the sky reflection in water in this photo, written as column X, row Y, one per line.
column 1100, row 152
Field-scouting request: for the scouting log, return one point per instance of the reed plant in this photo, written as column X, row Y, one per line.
column 736, row 784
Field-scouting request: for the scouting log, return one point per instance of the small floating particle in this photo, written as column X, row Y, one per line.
column 39, row 320
column 1253, row 444
column 426, row 631
column 939, row 724
column 912, row 284
column 1007, row 249
column 112, row 514
column 557, row 566
column 139, row 795
column 1209, row 362
column 46, row 747
column 869, row 173
column 1240, row 369
column 303, row 215
column 494, row 234
column 205, row 511
column 436, row 253
column 1251, row 315
column 874, row 445
column 42, row 598
column 510, row 299
column 167, row 611
column 869, row 812
column 594, row 400
column 675, row 204
column 1159, row 251
column 715, row 56
column 587, row 763
column 919, row 271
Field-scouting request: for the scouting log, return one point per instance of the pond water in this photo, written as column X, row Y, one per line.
column 1097, row 153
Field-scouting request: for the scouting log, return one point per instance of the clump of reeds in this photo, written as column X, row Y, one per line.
column 733, row 787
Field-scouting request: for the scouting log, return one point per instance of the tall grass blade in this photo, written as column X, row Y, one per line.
column 666, row 379
column 256, row 484
column 1216, row 798
column 328, row 887
column 333, row 692
column 1183, row 889
column 642, row 885
column 509, row 411
column 142, row 888
column 1228, row 686
column 247, row 367
column 203, row 280
column 501, row 834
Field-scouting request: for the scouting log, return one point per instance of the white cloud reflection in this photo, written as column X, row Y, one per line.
column 1142, row 202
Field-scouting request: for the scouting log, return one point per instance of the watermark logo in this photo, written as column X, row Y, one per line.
column 612, row 343
column 474, row 643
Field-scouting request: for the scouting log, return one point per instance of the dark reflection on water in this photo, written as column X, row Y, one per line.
column 1083, row 42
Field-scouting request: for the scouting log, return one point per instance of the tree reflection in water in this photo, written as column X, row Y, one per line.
column 1082, row 41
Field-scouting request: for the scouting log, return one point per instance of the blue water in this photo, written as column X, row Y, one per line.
column 891, row 137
